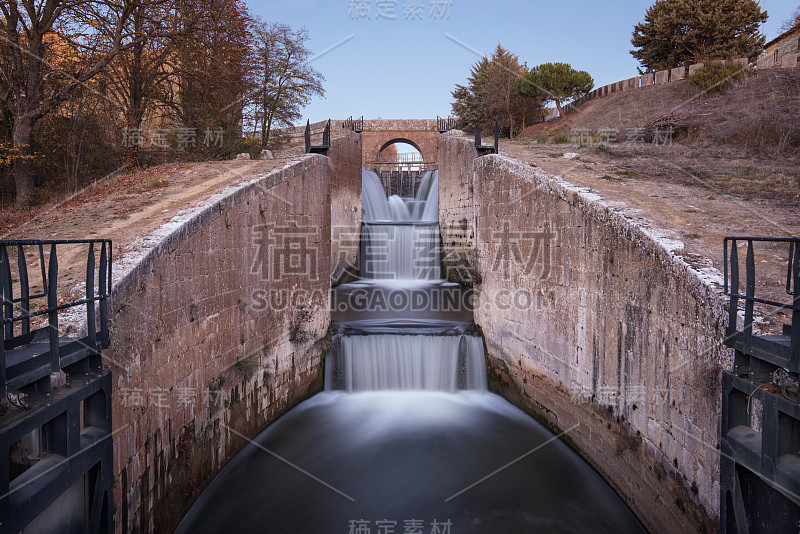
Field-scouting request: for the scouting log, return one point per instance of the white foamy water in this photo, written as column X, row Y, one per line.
column 378, row 208
column 400, row 252
column 403, row 363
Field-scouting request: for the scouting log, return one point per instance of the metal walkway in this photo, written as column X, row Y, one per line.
column 54, row 442
column 760, row 441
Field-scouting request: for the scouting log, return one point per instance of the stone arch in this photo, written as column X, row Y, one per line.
column 425, row 142
column 399, row 140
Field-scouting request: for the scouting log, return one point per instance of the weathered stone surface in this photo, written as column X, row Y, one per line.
column 266, row 154
column 591, row 319
column 345, row 205
column 646, row 80
column 694, row 68
column 662, row 77
column 243, row 155
column 676, row 74
column 456, row 217
column 217, row 331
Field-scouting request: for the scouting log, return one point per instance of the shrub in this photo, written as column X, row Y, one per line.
column 713, row 77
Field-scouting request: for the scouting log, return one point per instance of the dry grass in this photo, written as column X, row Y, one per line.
column 758, row 114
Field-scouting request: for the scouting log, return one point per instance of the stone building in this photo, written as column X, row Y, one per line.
column 782, row 52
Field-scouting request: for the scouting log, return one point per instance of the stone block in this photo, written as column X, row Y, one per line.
column 694, row 68
column 662, row 77
column 646, row 80
column 676, row 74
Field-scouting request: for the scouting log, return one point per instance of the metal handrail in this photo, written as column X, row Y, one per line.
column 445, row 125
column 355, row 125
column 745, row 339
column 326, row 139
column 93, row 341
column 793, row 242
column 487, row 149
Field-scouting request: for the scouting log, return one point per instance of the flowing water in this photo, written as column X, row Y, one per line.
column 406, row 439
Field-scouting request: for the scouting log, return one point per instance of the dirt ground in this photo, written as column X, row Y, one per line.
column 701, row 194
column 123, row 208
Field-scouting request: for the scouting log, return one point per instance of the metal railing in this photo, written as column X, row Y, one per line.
column 19, row 369
column 326, row 140
column 356, row 125
column 760, row 427
column 445, row 125
column 781, row 350
column 483, row 150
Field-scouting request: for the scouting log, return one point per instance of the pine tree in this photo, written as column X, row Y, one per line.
column 555, row 82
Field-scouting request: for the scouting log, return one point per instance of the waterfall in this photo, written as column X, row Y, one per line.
column 400, row 241
column 400, row 252
column 378, row 208
column 373, row 197
column 419, row 363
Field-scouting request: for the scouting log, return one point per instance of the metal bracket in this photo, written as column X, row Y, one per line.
column 326, row 140
column 484, row 150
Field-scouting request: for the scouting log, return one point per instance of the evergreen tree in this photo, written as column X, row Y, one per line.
column 555, row 82
column 490, row 95
column 681, row 32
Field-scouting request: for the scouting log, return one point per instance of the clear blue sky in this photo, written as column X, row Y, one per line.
column 406, row 68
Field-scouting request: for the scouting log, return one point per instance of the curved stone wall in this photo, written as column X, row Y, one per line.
column 595, row 325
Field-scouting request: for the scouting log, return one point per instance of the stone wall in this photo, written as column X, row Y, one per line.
column 456, row 216
column 653, row 78
column 598, row 329
column 781, row 53
column 219, row 327
column 345, row 205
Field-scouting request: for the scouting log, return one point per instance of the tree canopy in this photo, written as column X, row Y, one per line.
column 285, row 80
column 681, row 32
column 490, row 95
column 555, row 82
column 79, row 76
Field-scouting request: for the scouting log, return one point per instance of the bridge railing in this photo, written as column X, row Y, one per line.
column 355, row 125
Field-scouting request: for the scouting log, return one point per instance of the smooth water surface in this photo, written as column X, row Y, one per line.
column 406, row 456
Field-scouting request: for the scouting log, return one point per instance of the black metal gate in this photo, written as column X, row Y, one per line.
column 760, row 442
column 65, row 431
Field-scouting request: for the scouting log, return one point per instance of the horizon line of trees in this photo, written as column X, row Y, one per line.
column 81, row 80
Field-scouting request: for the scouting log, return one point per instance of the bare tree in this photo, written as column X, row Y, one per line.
column 286, row 82
column 31, row 85
column 135, row 81
column 211, row 68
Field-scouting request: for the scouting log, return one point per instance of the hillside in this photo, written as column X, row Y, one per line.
column 733, row 167
column 759, row 114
